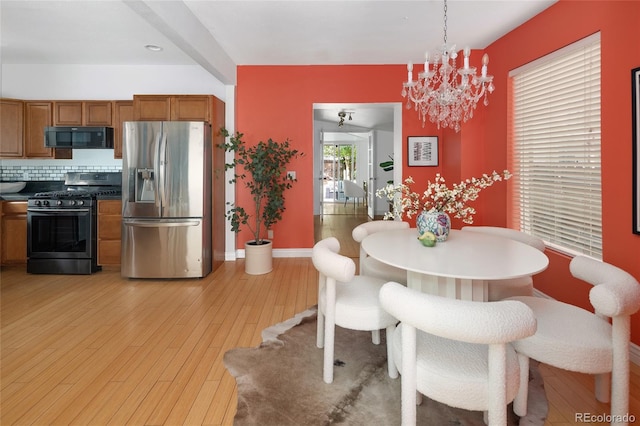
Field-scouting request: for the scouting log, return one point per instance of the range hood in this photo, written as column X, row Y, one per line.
column 78, row 137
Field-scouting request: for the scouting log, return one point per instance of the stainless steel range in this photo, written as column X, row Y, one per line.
column 62, row 225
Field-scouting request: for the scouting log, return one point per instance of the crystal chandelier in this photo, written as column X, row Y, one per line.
column 446, row 94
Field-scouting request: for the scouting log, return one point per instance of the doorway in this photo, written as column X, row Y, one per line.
column 343, row 159
column 370, row 134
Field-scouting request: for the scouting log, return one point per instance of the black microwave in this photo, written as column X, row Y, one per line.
column 78, row 137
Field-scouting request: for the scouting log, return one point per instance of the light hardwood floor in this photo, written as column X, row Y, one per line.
column 99, row 349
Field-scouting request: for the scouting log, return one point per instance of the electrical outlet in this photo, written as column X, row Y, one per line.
column 291, row 174
column 270, row 234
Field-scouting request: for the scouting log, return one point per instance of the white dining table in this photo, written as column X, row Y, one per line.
column 461, row 267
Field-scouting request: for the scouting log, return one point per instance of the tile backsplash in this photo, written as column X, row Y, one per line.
column 29, row 173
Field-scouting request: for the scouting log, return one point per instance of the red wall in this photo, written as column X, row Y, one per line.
column 566, row 22
column 276, row 102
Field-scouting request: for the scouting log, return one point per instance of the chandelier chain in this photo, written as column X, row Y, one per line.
column 445, row 21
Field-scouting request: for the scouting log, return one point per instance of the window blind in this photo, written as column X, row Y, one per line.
column 555, row 148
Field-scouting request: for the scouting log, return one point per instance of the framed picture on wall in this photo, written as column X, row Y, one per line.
column 422, row 150
column 635, row 108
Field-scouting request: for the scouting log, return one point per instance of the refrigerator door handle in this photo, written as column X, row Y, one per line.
column 156, row 167
column 163, row 165
column 158, row 224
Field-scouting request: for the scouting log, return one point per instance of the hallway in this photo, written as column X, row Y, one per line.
column 338, row 221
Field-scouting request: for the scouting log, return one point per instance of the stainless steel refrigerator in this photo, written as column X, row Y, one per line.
column 166, row 199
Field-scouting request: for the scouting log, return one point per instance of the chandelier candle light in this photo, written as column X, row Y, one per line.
column 439, row 94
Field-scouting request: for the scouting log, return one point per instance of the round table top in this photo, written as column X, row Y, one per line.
column 465, row 255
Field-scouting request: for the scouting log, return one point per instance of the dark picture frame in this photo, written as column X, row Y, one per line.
column 422, row 150
column 635, row 108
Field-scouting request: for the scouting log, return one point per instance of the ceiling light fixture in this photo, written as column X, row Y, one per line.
column 439, row 94
column 342, row 115
column 153, row 48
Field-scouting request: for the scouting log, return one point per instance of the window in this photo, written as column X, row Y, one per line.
column 554, row 137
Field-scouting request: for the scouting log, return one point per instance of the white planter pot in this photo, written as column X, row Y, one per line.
column 258, row 259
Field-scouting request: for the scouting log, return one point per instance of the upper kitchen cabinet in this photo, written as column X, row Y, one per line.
column 37, row 116
column 173, row 107
column 98, row 113
column 82, row 113
column 122, row 111
column 151, row 107
column 11, row 130
column 191, row 108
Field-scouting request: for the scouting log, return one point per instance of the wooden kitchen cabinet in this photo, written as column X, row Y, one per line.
column 151, row 107
column 97, row 113
column 67, row 113
column 109, row 229
column 122, row 111
column 37, row 116
column 82, row 113
column 13, row 233
column 191, row 108
column 173, row 107
column 11, row 128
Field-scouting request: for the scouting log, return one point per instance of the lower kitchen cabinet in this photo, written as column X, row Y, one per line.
column 109, row 237
column 13, row 232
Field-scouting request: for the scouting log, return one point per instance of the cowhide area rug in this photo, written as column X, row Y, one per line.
column 280, row 383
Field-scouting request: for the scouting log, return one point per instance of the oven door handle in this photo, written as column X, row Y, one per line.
column 158, row 224
column 58, row 210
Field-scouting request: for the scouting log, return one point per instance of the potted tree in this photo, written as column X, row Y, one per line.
column 262, row 170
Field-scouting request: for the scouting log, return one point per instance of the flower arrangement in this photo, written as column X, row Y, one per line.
column 438, row 197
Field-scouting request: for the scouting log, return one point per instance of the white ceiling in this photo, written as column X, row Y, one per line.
column 218, row 35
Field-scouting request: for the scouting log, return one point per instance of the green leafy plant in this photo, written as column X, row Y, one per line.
column 387, row 166
column 262, row 170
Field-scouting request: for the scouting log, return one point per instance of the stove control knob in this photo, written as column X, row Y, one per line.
column 72, row 202
column 59, row 202
column 37, row 202
column 45, row 203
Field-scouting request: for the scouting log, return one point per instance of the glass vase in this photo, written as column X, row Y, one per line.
column 436, row 222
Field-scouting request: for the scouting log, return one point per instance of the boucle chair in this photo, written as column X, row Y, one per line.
column 575, row 339
column 346, row 300
column 352, row 190
column 370, row 266
column 523, row 286
column 456, row 351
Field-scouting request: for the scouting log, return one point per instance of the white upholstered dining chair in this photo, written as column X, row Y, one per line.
column 523, row 286
column 370, row 266
column 574, row 339
column 346, row 300
column 456, row 351
column 352, row 190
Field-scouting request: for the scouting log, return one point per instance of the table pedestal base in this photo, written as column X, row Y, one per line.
column 455, row 288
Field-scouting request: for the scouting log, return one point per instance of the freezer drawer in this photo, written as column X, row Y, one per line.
column 173, row 248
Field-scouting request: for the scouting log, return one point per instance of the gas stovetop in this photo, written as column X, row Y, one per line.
column 81, row 190
column 86, row 192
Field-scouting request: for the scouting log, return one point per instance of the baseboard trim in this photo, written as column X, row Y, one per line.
column 297, row 252
column 634, row 350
